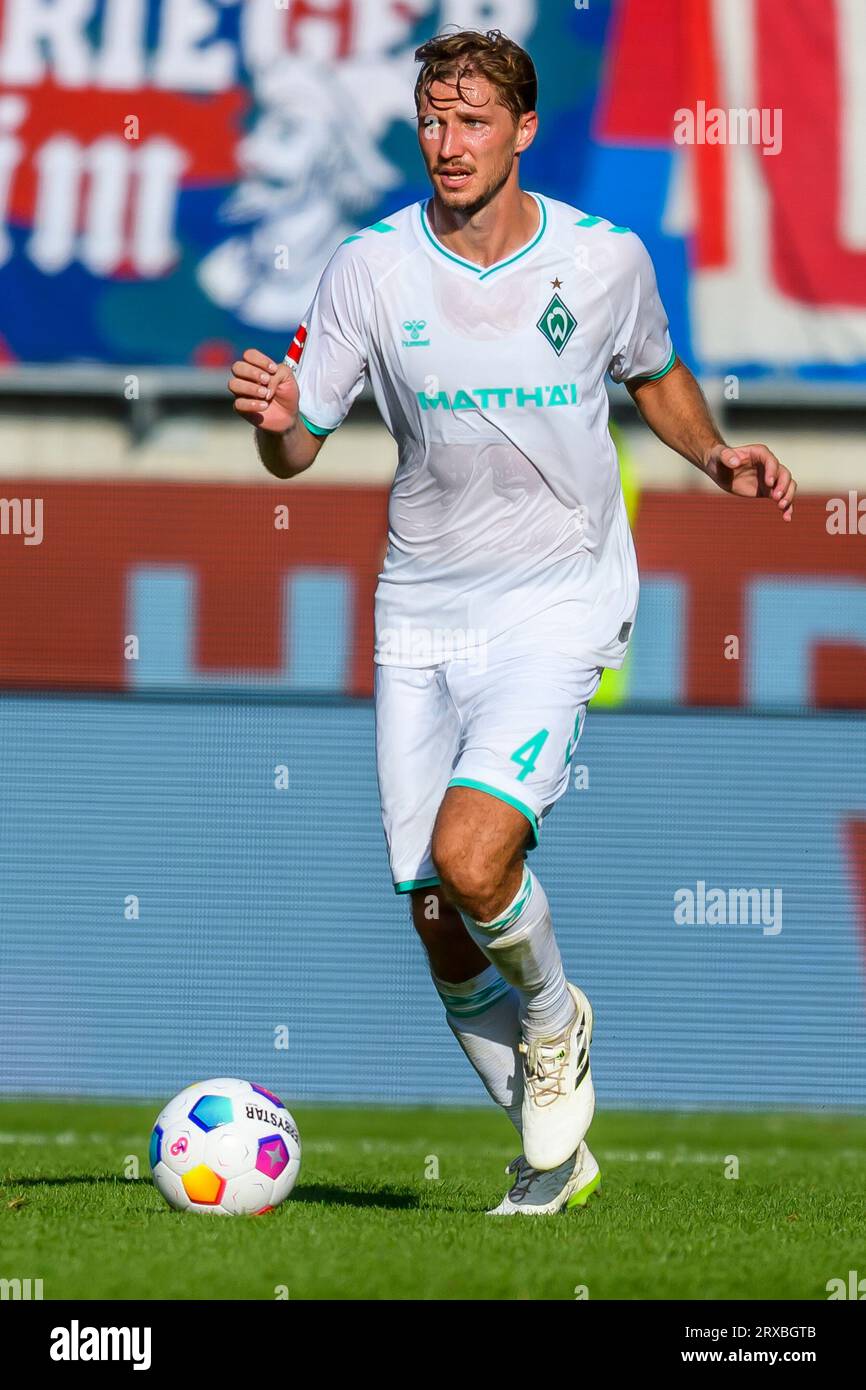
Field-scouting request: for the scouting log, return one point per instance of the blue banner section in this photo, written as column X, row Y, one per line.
column 174, row 174
column 191, row 889
column 174, row 186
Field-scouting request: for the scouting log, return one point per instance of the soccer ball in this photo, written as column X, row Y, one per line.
column 225, row 1146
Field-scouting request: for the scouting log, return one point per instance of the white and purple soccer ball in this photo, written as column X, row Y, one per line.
column 225, row 1146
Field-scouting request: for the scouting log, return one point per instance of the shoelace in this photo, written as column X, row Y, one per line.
column 544, row 1070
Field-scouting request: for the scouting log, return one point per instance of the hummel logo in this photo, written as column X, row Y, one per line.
column 415, row 327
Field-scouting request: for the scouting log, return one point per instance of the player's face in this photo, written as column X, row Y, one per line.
column 468, row 145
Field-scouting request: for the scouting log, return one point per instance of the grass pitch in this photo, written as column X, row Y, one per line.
column 370, row 1218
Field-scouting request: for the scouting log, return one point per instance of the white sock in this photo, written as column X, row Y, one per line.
column 482, row 1013
column 521, row 944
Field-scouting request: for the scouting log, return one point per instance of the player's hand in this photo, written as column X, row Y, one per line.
column 265, row 392
column 752, row 470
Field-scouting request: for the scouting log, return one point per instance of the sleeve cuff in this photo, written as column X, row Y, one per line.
column 315, row 429
column 655, row 376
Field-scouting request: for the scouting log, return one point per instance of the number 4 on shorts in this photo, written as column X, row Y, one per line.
column 528, row 752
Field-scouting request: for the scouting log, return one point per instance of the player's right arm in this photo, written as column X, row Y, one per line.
column 266, row 394
column 296, row 406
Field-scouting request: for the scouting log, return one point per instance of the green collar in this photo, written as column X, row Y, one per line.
column 484, row 271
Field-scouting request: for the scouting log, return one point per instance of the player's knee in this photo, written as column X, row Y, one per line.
column 468, row 877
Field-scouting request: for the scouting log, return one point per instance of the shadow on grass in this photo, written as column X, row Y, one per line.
column 385, row 1197
column 75, row 1180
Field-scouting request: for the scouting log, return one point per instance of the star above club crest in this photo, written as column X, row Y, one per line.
column 557, row 283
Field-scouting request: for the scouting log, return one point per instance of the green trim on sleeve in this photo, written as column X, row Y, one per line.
column 521, row 806
column 314, row 429
column 654, row 376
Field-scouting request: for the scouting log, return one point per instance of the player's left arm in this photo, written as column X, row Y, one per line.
column 675, row 408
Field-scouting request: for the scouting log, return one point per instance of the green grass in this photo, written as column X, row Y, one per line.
column 365, row 1222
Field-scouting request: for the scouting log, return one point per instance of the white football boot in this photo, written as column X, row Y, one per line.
column 558, row 1095
column 541, row 1194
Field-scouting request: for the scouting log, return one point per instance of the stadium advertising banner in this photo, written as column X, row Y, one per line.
column 702, row 1008
column 175, row 173
column 258, row 589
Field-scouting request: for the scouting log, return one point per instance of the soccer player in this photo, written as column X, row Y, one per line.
column 486, row 318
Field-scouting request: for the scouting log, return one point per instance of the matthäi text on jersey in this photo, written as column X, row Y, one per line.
column 489, row 396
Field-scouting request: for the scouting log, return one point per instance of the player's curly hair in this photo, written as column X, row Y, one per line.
column 507, row 67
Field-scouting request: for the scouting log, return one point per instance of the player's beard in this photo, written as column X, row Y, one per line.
column 497, row 179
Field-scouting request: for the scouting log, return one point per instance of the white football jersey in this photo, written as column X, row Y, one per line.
column 506, row 505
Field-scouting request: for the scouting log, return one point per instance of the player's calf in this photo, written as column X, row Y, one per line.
column 452, row 953
column 481, row 1008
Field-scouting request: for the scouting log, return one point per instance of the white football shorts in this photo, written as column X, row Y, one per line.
column 505, row 720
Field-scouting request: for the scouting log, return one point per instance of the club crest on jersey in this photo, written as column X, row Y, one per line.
column 557, row 323
column 415, row 327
